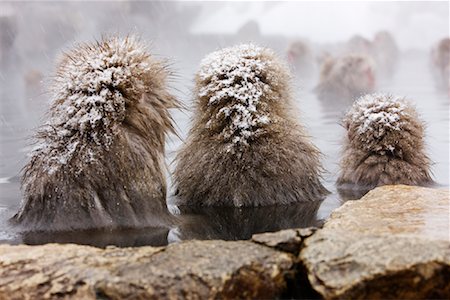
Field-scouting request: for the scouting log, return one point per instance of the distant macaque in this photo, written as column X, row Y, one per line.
column 385, row 53
column 99, row 159
column 300, row 58
column 246, row 147
column 8, row 32
column 440, row 58
column 33, row 81
column 384, row 145
column 346, row 77
column 358, row 45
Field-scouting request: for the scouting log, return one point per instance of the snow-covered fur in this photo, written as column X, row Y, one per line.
column 245, row 147
column 346, row 77
column 99, row 159
column 384, row 145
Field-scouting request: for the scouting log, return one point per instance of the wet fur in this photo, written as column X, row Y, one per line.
column 278, row 166
column 366, row 163
column 231, row 223
column 125, row 185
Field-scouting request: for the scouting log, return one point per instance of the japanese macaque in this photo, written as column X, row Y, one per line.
column 384, row 145
column 358, row 45
column 99, row 159
column 246, row 147
column 440, row 58
column 300, row 58
column 385, row 53
column 346, row 77
column 8, row 31
column 33, row 81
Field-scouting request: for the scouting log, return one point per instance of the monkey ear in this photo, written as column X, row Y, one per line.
column 346, row 124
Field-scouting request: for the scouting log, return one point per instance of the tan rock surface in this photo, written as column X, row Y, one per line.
column 289, row 240
column 192, row 270
column 392, row 243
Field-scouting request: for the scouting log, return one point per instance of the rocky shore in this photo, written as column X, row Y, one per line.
column 392, row 243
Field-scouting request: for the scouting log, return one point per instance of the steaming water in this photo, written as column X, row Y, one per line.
column 23, row 102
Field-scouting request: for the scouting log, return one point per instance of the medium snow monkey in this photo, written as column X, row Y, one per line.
column 99, row 159
column 246, row 147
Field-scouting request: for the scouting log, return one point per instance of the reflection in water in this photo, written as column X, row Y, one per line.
column 226, row 223
column 101, row 238
column 334, row 107
column 351, row 192
column 230, row 223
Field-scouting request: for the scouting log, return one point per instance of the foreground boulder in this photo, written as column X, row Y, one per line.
column 193, row 270
column 393, row 243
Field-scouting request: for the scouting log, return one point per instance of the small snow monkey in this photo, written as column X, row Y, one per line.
column 99, row 159
column 384, row 144
column 246, row 147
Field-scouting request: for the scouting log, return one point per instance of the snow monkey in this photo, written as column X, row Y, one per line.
column 384, row 144
column 300, row 58
column 346, row 77
column 440, row 58
column 385, row 53
column 99, row 159
column 246, row 147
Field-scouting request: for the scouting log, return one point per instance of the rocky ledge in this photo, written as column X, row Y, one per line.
column 392, row 243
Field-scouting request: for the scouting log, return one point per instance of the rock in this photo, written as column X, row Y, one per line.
column 392, row 243
column 289, row 240
column 195, row 269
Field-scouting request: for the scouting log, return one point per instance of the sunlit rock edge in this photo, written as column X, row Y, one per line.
column 392, row 243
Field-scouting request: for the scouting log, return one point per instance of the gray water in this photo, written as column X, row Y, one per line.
column 23, row 101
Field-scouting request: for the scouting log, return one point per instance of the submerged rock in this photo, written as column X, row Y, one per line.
column 289, row 240
column 196, row 269
column 392, row 243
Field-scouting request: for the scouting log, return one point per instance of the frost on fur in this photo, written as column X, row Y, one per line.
column 91, row 89
column 374, row 117
column 233, row 80
column 99, row 161
column 385, row 144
